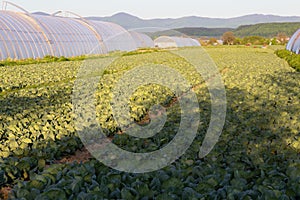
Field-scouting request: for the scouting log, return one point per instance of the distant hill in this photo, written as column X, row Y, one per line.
column 267, row 30
column 204, row 32
column 131, row 22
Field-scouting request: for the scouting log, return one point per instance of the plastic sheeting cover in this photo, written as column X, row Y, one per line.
column 294, row 43
column 114, row 36
column 19, row 37
column 167, row 42
column 35, row 36
column 142, row 40
column 68, row 37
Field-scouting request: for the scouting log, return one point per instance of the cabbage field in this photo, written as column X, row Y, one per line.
column 257, row 155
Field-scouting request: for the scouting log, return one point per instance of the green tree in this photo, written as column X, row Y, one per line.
column 238, row 41
column 256, row 40
column 274, row 41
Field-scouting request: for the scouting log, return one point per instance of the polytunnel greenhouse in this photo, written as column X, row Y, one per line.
column 294, row 43
column 142, row 40
column 168, row 42
column 24, row 35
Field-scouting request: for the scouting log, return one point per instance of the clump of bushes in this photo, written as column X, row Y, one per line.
column 292, row 58
column 142, row 51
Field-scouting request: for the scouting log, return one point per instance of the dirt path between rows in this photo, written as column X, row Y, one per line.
column 83, row 155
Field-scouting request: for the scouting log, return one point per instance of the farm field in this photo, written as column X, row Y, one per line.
column 256, row 157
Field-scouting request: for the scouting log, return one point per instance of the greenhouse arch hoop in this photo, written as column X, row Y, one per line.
column 27, row 35
column 294, row 43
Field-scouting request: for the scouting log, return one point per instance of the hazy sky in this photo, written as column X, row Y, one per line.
column 165, row 8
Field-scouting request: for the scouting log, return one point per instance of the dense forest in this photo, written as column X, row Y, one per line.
column 267, row 30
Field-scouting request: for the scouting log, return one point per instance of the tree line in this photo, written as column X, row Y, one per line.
column 229, row 38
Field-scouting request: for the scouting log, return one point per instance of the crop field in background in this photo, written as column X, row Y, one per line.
column 256, row 157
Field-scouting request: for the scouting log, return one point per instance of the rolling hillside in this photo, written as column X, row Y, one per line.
column 200, row 32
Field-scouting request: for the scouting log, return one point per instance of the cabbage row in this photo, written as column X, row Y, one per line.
column 257, row 156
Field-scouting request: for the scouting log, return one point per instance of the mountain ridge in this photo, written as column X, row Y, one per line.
column 129, row 21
